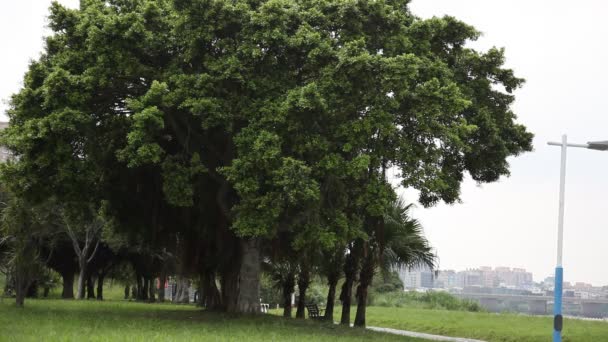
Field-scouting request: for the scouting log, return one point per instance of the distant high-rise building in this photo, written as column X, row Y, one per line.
column 471, row 277
column 485, row 276
column 446, row 279
column 417, row 278
column 549, row 282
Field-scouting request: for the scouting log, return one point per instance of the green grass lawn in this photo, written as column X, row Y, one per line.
column 58, row 320
column 485, row 326
column 115, row 320
column 480, row 325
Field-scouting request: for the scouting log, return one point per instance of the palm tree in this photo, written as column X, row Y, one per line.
column 397, row 241
column 404, row 241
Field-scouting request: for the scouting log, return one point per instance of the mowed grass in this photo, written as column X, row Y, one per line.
column 60, row 320
column 115, row 320
column 485, row 326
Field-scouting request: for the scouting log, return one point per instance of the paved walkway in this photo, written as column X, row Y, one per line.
column 422, row 335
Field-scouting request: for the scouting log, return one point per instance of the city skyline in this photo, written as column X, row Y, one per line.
column 534, row 278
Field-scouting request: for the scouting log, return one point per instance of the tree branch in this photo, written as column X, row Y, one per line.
column 94, row 250
column 72, row 236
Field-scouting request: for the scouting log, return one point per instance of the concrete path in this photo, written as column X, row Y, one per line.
column 422, row 335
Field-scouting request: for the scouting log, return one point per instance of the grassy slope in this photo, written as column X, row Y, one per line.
column 486, row 326
column 66, row 320
column 57, row 320
column 480, row 325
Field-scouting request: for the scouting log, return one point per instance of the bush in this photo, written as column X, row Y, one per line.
column 268, row 292
column 428, row 300
column 317, row 294
column 384, row 288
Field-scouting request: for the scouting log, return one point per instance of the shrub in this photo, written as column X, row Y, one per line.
column 429, row 300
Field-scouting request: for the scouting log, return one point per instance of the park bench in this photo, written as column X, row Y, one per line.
column 314, row 312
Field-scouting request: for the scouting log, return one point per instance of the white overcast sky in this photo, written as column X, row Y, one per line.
column 559, row 48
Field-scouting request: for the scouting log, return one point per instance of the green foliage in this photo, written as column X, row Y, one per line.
column 288, row 83
column 317, row 294
column 49, row 279
column 427, row 300
column 24, row 227
column 404, row 244
column 178, row 180
column 269, row 293
column 194, row 123
column 390, row 282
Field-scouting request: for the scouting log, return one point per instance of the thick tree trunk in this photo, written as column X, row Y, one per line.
column 145, row 289
column 127, row 291
column 90, row 287
column 248, row 299
column 240, row 276
column 22, row 284
column 139, row 287
column 361, row 306
column 134, row 292
column 19, row 297
column 303, row 283
column 68, row 285
column 230, row 289
column 81, row 282
column 241, row 279
column 365, row 280
column 161, row 289
column 331, row 298
column 182, row 294
column 346, row 295
column 178, row 290
column 46, row 292
column 151, row 289
column 209, row 294
column 100, row 280
column 198, row 294
column 288, row 289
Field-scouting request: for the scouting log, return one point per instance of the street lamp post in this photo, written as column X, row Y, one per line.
column 559, row 271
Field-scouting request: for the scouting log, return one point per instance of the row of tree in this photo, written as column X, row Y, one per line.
column 232, row 134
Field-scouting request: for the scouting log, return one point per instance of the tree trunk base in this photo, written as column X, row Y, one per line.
column 331, row 299
column 248, row 300
column 68, row 286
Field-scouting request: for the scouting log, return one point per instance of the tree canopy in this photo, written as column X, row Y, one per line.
column 212, row 124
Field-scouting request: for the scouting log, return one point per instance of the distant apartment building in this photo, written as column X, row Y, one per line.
column 485, row 277
column 582, row 286
column 419, row 278
column 472, row 277
column 482, row 277
column 446, row 279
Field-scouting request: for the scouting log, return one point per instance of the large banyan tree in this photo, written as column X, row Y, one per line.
column 218, row 125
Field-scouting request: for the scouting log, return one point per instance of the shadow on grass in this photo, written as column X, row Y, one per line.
column 133, row 318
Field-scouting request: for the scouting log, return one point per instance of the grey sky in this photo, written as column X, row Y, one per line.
column 559, row 47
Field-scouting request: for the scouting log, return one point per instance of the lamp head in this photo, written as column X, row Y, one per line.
column 598, row 145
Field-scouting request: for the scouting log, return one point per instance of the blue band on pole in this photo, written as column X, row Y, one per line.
column 557, row 304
